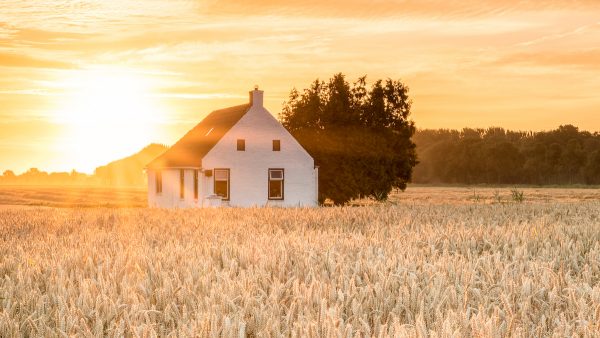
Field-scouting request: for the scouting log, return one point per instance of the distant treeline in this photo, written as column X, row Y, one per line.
column 35, row 176
column 128, row 171
column 498, row 156
column 470, row 156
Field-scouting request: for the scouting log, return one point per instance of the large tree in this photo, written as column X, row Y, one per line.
column 359, row 137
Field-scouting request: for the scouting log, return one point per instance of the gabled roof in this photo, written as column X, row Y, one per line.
column 193, row 146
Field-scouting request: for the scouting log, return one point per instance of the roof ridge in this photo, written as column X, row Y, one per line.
column 189, row 150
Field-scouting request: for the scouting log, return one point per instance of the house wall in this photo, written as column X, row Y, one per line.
column 170, row 197
column 249, row 168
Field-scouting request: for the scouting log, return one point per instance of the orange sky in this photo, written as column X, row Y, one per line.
column 86, row 82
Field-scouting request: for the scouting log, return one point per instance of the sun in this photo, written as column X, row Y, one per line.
column 108, row 113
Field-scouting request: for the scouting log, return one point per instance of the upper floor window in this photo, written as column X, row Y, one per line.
column 276, row 181
column 158, row 182
column 276, row 145
column 221, row 183
column 241, row 145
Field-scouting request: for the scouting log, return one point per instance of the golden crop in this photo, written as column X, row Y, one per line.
column 482, row 270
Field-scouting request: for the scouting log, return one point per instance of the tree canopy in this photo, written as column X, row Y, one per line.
column 359, row 137
column 565, row 155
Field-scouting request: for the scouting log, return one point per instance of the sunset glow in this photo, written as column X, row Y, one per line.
column 106, row 111
column 87, row 82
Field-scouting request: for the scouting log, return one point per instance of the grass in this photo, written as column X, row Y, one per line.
column 517, row 195
column 397, row 269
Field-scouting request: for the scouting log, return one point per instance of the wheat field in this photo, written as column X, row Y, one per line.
column 426, row 270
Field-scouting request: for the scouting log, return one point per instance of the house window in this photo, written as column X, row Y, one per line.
column 276, row 182
column 195, row 184
column 181, row 183
column 221, row 183
column 158, row 182
column 241, row 145
column 276, row 145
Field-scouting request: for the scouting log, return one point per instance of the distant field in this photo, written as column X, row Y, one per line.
column 79, row 197
column 385, row 270
column 493, row 195
column 136, row 197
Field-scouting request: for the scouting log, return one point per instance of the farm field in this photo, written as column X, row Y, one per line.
column 492, row 195
column 119, row 197
column 438, row 264
column 73, row 196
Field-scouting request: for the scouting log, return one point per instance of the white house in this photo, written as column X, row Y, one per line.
column 237, row 156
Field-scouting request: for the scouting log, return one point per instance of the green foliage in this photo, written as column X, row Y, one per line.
column 592, row 168
column 359, row 137
column 497, row 156
column 517, row 195
column 124, row 172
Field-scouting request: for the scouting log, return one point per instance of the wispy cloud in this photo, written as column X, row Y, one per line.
column 467, row 62
column 41, row 92
column 358, row 8
column 16, row 60
column 585, row 59
column 561, row 35
column 201, row 96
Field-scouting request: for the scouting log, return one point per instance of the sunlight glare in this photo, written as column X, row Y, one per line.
column 110, row 113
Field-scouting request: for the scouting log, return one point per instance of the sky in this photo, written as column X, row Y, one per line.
column 85, row 82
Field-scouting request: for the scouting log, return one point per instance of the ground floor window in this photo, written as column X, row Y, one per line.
column 195, row 184
column 158, row 182
column 276, row 183
column 181, row 183
column 221, row 183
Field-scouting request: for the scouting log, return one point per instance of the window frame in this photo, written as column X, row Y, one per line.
column 182, row 184
column 196, row 182
column 282, row 180
column 241, row 144
column 158, row 182
column 228, row 170
column 278, row 143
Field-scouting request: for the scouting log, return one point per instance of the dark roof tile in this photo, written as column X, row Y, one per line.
column 193, row 146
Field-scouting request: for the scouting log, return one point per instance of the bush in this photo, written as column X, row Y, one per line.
column 517, row 195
